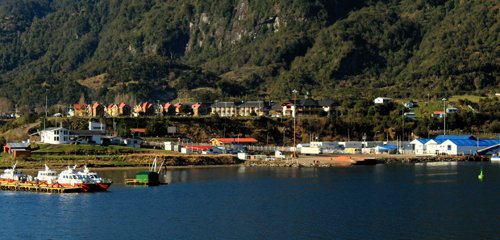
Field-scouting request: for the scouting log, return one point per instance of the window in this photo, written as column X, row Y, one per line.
column 449, row 147
column 56, row 132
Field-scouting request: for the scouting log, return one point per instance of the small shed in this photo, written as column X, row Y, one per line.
column 10, row 147
column 21, row 149
column 140, row 132
column 21, row 153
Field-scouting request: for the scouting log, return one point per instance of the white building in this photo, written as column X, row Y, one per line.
column 419, row 146
column 97, row 126
column 454, row 147
column 325, row 144
column 434, row 147
column 451, row 145
column 56, row 135
column 382, row 100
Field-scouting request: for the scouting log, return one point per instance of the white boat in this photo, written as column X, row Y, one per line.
column 495, row 158
column 47, row 175
column 12, row 174
column 70, row 178
column 102, row 184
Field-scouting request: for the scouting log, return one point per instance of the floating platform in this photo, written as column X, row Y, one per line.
column 350, row 160
column 144, row 178
column 34, row 187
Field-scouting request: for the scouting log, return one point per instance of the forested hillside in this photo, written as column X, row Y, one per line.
column 197, row 50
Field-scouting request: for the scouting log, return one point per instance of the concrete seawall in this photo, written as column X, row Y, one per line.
column 322, row 161
column 185, row 160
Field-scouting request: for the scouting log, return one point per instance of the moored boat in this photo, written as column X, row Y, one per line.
column 70, row 178
column 47, row 176
column 495, row 158
column 12, row 175
column 101, row 184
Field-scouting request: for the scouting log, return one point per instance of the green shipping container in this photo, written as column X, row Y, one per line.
column 148, row 178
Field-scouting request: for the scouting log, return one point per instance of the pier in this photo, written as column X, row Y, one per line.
column 34, row 187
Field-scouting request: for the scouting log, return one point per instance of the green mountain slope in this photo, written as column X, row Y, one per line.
column 207, row 50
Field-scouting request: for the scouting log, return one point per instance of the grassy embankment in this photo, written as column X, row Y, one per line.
column 109, row 156
column 60, row 155
column 426, row 108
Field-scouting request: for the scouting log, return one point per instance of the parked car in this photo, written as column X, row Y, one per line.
column 78, row 141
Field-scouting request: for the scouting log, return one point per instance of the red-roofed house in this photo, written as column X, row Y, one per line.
column 167, row 109
column 178, row 107
column 148, row 108
column 145, row 108
column 124, row 109
column 236, row 140
column 200, row 109
column 112, row 110
column 438, row 114
column 96, row 110
column 81, row 110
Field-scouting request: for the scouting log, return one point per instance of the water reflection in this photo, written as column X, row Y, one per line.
column 436, row 172
column 185, row 175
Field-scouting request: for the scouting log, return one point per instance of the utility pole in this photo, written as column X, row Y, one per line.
column 294, row 123
column 444, row 113
column 46, row 103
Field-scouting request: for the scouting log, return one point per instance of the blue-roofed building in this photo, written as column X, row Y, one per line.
column 418, row 146
column 452, row 145
column 467, row 147
column 455, row 137
column 434, row 147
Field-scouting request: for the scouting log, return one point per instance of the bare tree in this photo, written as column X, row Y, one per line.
column 82, row 99
column 5, row 105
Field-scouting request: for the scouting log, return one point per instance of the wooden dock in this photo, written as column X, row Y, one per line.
column 133, row 181
column 34, row 187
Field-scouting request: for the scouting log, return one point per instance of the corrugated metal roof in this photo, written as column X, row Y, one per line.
column 306, row 103
column 254, row 104
column 435, row 140
column 326, row 102
column 455, row 137
column 481, row 143
column 224, row 104
column 277, row 107
column 422, row 140
column 18, row 145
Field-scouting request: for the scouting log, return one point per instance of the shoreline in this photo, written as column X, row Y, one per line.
column 231, row 161
column 141, row 167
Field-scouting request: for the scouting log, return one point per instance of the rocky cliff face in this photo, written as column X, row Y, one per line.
column 241, row 22
column 234, row 48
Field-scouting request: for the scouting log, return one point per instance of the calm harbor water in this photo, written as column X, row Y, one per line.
column 436, row 201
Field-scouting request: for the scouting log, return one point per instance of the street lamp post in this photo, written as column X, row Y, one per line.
column 46, row 101
column 294, row 112
column 444, row 112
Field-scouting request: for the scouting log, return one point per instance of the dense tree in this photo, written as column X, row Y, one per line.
column 333, row 48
